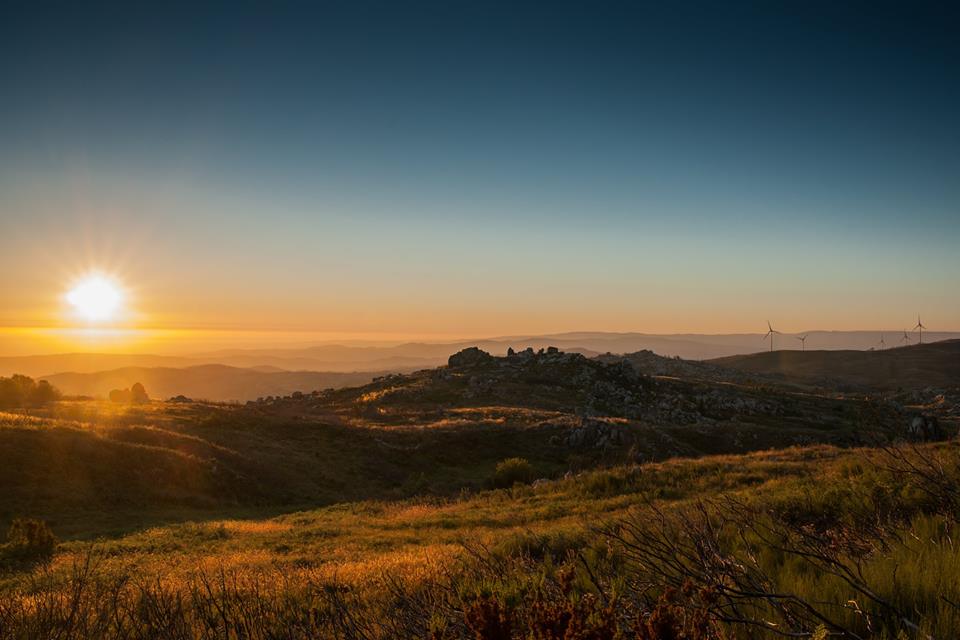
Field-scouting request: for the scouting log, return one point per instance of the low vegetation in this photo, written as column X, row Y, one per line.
column 794, row 541
column 513, row 471
column 28, row 541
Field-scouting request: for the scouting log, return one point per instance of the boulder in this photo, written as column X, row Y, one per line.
column 469, row 357
column 134, row 394
column 924, row 429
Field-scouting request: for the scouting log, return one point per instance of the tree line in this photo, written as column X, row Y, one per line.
column 20, row 391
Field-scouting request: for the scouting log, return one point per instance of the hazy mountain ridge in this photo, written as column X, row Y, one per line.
column 412, row 355
column 209, row 382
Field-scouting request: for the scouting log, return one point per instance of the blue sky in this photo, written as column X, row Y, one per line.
column 484, row 167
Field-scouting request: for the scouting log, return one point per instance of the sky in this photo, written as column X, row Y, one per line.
column 478, row 168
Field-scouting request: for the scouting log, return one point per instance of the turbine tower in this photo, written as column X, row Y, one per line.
column 921, row 327
column 882, row 343
column 803, row 342
column 770, row 333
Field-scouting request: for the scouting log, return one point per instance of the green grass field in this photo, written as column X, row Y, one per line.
column 374, row 513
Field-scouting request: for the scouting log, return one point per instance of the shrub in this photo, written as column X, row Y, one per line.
column 512, row 471
column 554, row 544
column 29, row 541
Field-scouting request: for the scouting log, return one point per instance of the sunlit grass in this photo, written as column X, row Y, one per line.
column 354, row 539
column 367, row 546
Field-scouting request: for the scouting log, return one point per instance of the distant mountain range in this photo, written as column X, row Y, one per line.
column 415, row 355
column 205, row 382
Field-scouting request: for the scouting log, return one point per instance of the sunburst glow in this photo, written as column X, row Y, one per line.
column 96, row 298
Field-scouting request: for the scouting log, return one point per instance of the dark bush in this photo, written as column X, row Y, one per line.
column 512, row 471
column 20, row 391
column 29, row 541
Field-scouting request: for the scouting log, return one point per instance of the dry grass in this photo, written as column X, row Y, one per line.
column 371, row 534
column 219, row 506
column 360, row 557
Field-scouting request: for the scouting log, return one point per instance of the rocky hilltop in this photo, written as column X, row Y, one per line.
column 609, row 402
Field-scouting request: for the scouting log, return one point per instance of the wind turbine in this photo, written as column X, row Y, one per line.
column 770, row 333
column 921, row 327
column 803, row 342
column 882, row 343
column 906, row 338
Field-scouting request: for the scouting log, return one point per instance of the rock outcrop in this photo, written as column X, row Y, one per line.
column 924, row 429
column 469, row 357
column 134, row 395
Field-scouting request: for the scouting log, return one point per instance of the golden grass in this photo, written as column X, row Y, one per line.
column 359, row 540
column 365, row 545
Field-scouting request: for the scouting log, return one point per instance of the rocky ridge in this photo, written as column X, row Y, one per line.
column 596, row 393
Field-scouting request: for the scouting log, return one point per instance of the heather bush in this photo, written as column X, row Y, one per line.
column 512, row 471
column 28, row 541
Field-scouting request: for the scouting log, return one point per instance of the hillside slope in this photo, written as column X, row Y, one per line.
column 433, row 432
column 77, row 475
column 591, row 546
column 928, row 365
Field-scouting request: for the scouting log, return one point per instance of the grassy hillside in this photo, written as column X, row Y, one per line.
column 353, row 540
column 435, row 433
column 584, row 551
column 92, row 468
column 918, row 366
column 387, row 510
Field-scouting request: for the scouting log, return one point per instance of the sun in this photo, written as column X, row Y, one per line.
column 96, row 298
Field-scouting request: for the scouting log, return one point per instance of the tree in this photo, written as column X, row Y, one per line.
column 20, row 391
column 44, row 393
column 8, row 393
